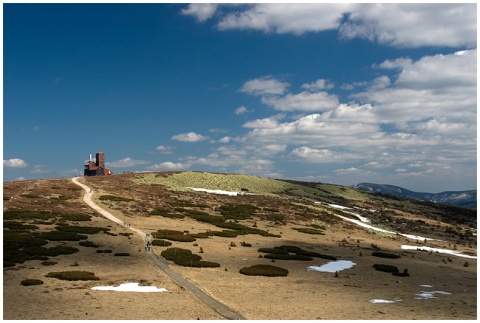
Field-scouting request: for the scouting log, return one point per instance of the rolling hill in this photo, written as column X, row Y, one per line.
column 457, row 198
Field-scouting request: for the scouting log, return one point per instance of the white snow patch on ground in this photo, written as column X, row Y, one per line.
column 446, row 251
column 425, row 286
column 427, row 295
column 131, row 287
column 385, row 301
column 333, row 266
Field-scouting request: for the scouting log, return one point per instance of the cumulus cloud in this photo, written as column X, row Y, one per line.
column 265, row 123
column 319, row 84
column 202, row 11
column 303, row 101
column 189, row 137
column 39, row 169
column 126, row 162
column 434, row 24
column 265, row 85
column 14, row 163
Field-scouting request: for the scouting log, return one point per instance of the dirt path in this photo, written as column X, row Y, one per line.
column 220, row 308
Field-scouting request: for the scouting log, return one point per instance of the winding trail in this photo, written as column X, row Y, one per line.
column 220, row 308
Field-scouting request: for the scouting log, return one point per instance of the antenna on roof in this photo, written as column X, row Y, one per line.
column 90, row 157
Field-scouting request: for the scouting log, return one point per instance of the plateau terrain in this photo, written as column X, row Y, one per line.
column 195, row 245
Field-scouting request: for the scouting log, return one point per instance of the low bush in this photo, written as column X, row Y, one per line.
column 18, row 226
column 386, row 268
column 89, row 244
column 287, row 257
column 273, row 250
column 114, row 198
column 48, row 263
column 226, row 233
column 385, row 255
column 80, row 229
column 185, row 257
column 121, row 254
column 126, row 234
column 161, row 243
column 165, row 213
column 173, row 235
column 309, row 230
column 104, row 251
column 237, row 211
column 264, row 270
column 73, row 275
column 76, row 217
column 61, row 250
column 20, row 214
column 62, row 236
column 31, row 282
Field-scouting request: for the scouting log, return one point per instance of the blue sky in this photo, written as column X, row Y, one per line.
column 326, row 93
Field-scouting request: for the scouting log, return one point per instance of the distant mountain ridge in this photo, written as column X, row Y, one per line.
column 457, row 198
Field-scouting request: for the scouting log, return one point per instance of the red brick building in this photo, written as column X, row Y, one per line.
column 97, row 167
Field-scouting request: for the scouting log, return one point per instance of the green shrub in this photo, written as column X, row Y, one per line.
column 89, row 244
column 73, row 275
column 202, row 235
column 80, row 229
column 165, row 213
column 62, row 236
column 126, row 234
column 173, row 235
column 309, row 230
column 386, row 268
column 48, row 263
column 121, row 254
column 273, row 251
column 61, row 250
column 385, row 255
column 104, row 251
column 237, row 211
column 288, row 248
column 161, row 243
column 114, row 198
column 287, row 257
column 30, row 196
column 18, row 226
column 226, row 233
column 76, row 217
column 264, row 270
column 315, row 255
column 20, row 214
column 31, row 282
column 185, row 257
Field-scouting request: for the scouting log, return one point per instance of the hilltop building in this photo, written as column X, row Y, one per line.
column 97, row 167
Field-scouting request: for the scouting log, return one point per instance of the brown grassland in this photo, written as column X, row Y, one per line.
column 280, row 209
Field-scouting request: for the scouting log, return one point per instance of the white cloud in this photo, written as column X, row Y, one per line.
column 189, row 137
column 413, row 25
column 265, row 85
column 202, row 11
column 165, row 149
column 168, row 166
column 400, row 25
column 14, row 163
column 304, row 101
column 225, row 140
column 126, row 162
column 266, row 123
column 241, row 110
column 319, row 84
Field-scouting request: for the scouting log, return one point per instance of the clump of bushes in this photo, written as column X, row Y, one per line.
column 31, row 282
column 165, row 213
column 385, row 255
column 114, row 198
column 121, row 254
column 185, row 257
column 76, row 217
column 237, row 211
column 73, row 275
column 21, row 214
column 18, row 226
column 48, row 263
column 62, row 236
column 173, row 235
column 80, row 229
column 386, row 268
column 264, row 270
column 286, row 252
column 161, row 243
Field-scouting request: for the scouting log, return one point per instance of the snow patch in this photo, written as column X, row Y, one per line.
column 131, row 287
column 333, row 266
column 446, row 251
column 385, row 301
column 231, row 193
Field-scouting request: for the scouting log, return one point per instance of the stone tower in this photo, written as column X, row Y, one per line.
column 100, row 160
